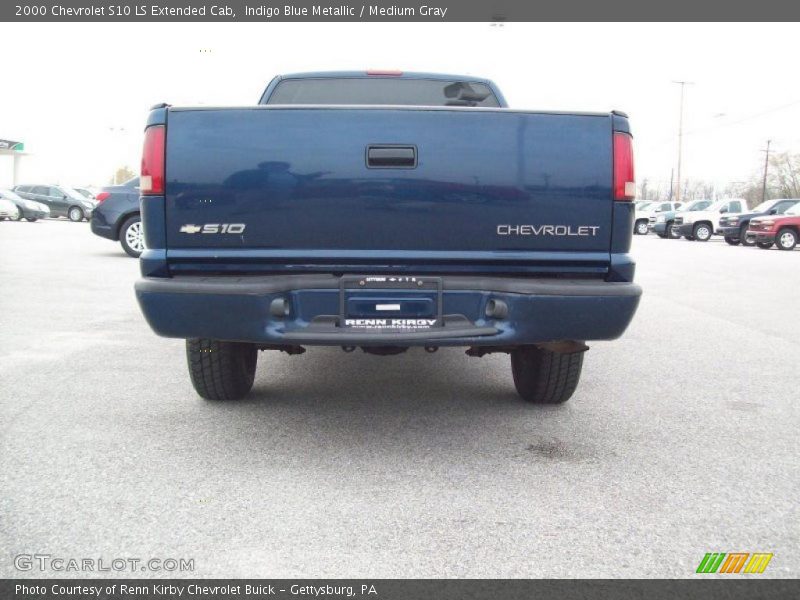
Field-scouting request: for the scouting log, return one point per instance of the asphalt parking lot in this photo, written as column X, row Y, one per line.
column 682, row 438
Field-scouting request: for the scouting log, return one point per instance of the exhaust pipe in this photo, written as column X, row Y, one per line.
column 496, row 309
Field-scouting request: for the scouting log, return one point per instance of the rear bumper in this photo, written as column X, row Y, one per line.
column 238, row 309
column 103, row 226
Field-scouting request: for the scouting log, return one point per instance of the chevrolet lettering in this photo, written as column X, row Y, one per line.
column 555, row 230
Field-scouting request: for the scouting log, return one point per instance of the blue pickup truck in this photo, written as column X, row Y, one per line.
column 386, row 210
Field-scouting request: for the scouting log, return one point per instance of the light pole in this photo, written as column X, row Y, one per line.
column 766, row 167
column 683, row 84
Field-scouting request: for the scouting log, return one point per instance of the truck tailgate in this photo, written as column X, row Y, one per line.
column 294, row 187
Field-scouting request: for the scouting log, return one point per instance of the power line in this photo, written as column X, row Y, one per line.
column 743, row 119
column 729, row 124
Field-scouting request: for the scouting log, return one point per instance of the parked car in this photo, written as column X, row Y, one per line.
column 275, row 245
column 661, row 223
column 8, row 210
column 734, row 227
column 62, row 201
column 85, row 192
column 639, row 214
column 781, row 230
column 700, row 225
column 641, row 219
column 116, row 216
column 27, row 209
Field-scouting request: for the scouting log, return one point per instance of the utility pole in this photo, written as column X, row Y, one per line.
column 683, row 84
column 766, row 167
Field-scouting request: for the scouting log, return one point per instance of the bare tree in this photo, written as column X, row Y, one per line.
column 122, row 174
column 783, row 180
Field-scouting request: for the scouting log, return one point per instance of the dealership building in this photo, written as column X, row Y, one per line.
column 16, row 150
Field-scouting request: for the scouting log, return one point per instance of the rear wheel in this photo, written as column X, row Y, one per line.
column 732, row 241
column 702, row 232
column 75, row 214
column 641, row 227
column 764, row 245
column 545, row 377
column 31, row 219
column 743, row 236
column 131, row 236
column 221, row 370
column 786, row 239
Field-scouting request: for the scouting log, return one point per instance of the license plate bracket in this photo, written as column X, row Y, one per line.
column 390, row 302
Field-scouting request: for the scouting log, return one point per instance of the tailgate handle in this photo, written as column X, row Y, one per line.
column 391, row 157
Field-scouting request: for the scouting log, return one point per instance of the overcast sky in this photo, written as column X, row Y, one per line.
column 78, row 94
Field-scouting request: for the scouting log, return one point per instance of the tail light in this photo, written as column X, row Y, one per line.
column 151, row 181
column 102, row 196
column 624, row 180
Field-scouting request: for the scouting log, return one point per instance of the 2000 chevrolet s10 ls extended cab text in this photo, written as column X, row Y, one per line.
column 383, row 211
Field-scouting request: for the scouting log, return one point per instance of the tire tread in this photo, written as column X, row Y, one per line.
column 221, row 370
column 545, row 377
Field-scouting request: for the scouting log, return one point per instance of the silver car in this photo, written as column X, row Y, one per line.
column 63, row 201
column 8, row 210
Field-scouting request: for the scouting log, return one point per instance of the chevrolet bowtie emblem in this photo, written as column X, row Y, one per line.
column 190, row 229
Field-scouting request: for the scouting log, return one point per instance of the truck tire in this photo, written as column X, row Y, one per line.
column 131, row 236
column 702, row 232
column 545, row 377
column 731, row 240
column 221, row 370
column 764, row 245
column 743, row 235
column 786, row 239
column 671, row 232
column 641, row 227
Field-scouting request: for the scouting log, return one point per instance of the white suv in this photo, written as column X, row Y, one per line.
column 700, row 225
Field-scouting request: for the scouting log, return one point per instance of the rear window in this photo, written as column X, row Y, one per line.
column 383, row 91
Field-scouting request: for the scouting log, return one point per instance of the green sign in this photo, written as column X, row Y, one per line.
column 11, row 145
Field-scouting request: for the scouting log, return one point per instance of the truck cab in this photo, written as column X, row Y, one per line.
column 700, row 225
column 734, row 227
column 662, row 221
column 783, row 230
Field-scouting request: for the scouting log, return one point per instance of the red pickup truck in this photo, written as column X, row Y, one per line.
column 783, row 231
